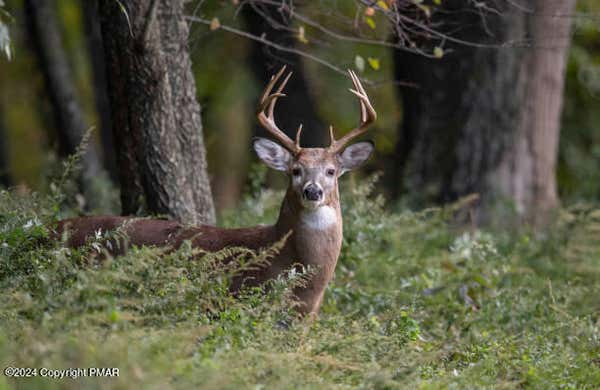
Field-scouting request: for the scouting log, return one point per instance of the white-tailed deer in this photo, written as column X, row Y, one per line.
column 310, row 211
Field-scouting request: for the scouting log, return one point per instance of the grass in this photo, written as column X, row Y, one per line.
column 416, row 303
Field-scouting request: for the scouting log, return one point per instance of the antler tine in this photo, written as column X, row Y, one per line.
column 331, row 136
column 278, row 93
column 298, row 132
column 358, row 86
column 267, row 102
column 270, row 85
column 368, row 115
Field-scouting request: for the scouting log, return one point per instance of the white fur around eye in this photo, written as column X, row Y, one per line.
column 320, row 218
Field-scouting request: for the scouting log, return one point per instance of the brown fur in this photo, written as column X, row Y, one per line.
column 318, row 249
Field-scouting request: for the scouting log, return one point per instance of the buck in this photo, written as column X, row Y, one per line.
column 310, row 212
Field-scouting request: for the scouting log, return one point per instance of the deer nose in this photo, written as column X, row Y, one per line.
column 313, row 192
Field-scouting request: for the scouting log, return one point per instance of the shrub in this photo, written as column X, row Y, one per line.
column 416, row 302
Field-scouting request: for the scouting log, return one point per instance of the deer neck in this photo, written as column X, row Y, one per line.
column 315, row 241
column 316, row 234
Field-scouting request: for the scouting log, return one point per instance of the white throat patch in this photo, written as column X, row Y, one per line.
column 320, row 218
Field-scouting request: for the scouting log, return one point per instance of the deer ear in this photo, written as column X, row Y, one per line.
column 355, row 155
column 272, row 154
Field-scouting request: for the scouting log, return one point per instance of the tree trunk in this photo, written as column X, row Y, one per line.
column 298, row 106
column 527, row 173
column 487, row 120
column 5, row 177
column 91, row 22
column 230, row 177
column 68, row 114
column 156, row 118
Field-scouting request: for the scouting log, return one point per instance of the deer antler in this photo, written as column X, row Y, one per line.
column 267, row 120
column 367, row 116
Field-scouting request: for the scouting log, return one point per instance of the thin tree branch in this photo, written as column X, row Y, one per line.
column 312, row 23
column 274, row 45
column 300, row 53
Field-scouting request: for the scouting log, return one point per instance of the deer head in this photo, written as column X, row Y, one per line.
column 313, row 172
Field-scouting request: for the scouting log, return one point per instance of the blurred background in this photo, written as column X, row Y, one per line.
column 420, row 97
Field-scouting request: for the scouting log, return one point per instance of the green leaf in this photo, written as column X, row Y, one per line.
column 370, row 22
column 374, row 63
column 383, row 5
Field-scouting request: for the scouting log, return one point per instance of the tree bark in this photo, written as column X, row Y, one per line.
column 487, row 120
column 230, row 177
column 298, row 106
column 70, row 122
column 156, row 118
column 91, row 23
column 5, row 177
column 527, row 173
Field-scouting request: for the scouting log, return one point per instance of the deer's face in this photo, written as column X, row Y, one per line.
column 313, row 172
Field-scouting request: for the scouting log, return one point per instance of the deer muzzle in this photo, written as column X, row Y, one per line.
column 313, row 192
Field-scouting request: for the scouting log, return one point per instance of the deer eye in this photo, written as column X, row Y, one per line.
column 330, row 172
column 296, row 171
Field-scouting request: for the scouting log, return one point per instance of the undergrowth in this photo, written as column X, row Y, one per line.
column 416, row 303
